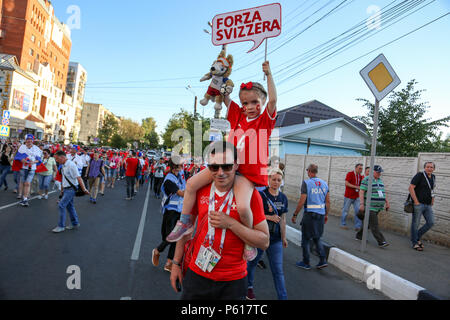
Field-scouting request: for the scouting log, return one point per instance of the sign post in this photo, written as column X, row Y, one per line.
column 381, row 79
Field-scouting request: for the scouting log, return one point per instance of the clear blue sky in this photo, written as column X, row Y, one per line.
column 121, row 42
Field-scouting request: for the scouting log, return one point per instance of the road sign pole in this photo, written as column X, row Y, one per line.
column 369, row 188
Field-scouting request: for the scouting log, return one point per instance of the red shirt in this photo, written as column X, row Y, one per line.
column 231, row 266
column 145, row 167
column 354, row 179
column 132, row 164
column 251, row 138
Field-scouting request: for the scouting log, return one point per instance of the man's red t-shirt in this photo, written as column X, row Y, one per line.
column 132, row 164
column 251, row 138
column 354, row 179
column 231, row 266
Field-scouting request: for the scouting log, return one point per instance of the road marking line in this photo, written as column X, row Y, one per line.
column 125, row 298
column 16, row 203
column 140, row 233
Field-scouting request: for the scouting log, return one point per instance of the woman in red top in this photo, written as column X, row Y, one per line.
column 250, row 129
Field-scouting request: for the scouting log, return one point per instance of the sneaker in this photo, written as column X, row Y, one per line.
column 19, row 196
column 155, row 257
column 322, row 265
column 250, row 294
column 358, row 239
column 39, row 197
column 70, row 227
column 24, row 203
column 127, row 198
column 58, row 230
column 179, row 231
column 261, row 264
column 250, row 253
column 384, row 244
column 94, row 201
column 46, row 197
column 303, row 265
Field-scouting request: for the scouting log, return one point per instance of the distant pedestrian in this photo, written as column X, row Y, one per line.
column 94, row 171
column 422, row 193
column 315, row 199
column 378, row 203
column 70, row 180
column 30, row 155
column 351, row 196
column 160, row 168
column 131, row 165
column 275, row 208
column 173, row 192
column 5, row 164
column 46, row 177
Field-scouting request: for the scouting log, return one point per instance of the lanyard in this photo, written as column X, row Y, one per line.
column 211, row 230
column 428, row 182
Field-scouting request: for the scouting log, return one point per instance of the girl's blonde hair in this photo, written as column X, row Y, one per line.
column 258, row 87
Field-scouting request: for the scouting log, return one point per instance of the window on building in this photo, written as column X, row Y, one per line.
column 31, row 52
column 39, row 44
column 33, row 38
column 28, row 65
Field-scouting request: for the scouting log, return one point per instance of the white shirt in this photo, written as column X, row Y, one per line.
column 78, row 160
column 70, row 171
column 31, row 153
column 159, row 170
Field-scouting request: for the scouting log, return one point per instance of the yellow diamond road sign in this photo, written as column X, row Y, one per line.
column 380, row 77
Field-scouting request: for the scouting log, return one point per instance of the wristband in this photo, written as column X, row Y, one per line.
column 176, row 263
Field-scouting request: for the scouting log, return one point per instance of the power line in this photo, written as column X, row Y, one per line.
column 366, row 54
column 356, row 41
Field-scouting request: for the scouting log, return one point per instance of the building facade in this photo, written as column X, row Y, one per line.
column 92, row 117
column 75, row 88
column 326, row 137
column 32, row 33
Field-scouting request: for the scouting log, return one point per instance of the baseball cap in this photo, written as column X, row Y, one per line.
column 377, row 168
column 29, row 136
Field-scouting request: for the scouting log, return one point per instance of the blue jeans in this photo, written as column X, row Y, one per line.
column 275, row 255
column 44, row 182
column 347, row 203
column 312, row 228
column 427, row 211
column 4, row 170
column 67, row 203
column 16, row 175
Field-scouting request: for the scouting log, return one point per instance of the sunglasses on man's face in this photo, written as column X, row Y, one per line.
column 225, row 167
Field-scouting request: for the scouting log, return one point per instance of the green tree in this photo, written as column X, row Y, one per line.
column 148, row 125
column 152, row 139
column 131, row 131
column 109, row 127
column 117, row 141
column 184, row 120
column 403, row 130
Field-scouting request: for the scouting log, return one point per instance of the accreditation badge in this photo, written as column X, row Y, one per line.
column 215, row 257
column 203, row 258
column 380, row 194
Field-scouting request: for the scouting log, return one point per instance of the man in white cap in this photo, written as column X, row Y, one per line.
column 30, row 155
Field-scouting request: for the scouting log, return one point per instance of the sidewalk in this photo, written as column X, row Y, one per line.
column 429, row 269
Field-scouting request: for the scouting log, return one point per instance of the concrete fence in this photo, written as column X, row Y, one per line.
column 397, row 176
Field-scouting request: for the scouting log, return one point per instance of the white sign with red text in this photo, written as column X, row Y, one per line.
column 254, row 24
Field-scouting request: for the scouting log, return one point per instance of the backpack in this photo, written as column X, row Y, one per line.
column 138, row 169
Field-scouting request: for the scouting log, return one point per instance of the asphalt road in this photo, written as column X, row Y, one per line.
column 34, row 261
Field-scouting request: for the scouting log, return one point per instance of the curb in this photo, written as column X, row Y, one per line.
column 388, row 283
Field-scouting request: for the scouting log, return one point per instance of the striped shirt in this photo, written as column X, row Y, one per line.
column 377, row 201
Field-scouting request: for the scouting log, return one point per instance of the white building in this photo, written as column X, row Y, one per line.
column 18, row 95
column 75, row 88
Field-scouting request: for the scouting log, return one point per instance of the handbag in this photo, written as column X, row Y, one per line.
column 272, row 225
column 409, row 205
column 78, row 191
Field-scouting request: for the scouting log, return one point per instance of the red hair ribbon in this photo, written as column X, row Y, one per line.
column 248, row 85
